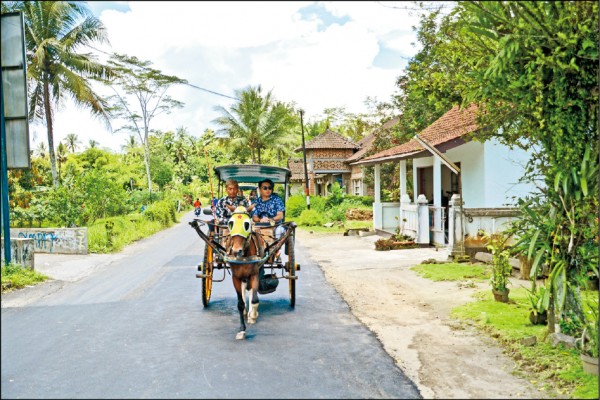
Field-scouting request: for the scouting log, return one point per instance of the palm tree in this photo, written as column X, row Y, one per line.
column 42, row 150
column 61, row 155
column 54, row 31
column 92, row 144
column 72, row 141
column 255, row 122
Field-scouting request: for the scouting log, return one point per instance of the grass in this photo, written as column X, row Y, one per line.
column 453, row 271
column 338, row 228
column 547, row 367
column 126, row 230
column 16, row 277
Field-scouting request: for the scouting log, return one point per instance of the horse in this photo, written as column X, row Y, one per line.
column 245, row 252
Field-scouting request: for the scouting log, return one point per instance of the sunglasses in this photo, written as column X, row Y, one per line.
column 267, row 188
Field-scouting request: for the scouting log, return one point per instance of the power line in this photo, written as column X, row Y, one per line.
column 213, row 92
column 188, row 84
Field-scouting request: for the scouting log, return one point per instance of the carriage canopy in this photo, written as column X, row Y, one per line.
column 253, row 173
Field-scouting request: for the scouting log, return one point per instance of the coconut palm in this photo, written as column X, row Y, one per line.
column 54, row 32
column 72, row 142
column 93, row 144
column 42, row 150
column 61, row 155
column 254, row 122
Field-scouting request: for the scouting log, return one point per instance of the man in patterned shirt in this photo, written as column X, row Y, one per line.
column 227, row 204
column 268, row 207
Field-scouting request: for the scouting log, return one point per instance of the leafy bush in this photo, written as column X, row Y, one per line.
column 364, row 200
column 336, row 197
column 337, row 213
column 310, row 218
column 295, row 205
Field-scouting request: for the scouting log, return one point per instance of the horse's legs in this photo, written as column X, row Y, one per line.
column 253, row 314
column 245, row 285
column 237, row 283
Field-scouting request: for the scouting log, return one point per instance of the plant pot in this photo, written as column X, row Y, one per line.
column 501, row 295
column 590, row 364
column 539, row 318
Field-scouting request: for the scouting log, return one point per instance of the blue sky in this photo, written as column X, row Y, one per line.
column 316, row 54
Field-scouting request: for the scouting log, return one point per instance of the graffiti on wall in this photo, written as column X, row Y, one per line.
column 62, row 241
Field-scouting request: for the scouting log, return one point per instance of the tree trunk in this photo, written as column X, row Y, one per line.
column 147, row 162
column 48, row 113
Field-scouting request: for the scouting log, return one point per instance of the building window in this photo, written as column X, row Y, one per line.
column 356, row 186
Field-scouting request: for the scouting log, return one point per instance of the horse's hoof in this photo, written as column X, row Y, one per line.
column 241, row 335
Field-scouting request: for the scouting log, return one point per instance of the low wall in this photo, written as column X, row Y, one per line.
column 21, row 251
column 55, row 240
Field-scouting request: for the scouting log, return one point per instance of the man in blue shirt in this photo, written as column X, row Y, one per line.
column 268, row 207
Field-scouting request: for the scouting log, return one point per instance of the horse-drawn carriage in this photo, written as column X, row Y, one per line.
column 256, row 255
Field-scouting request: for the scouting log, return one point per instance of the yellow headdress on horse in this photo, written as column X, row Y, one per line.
column 240, row 223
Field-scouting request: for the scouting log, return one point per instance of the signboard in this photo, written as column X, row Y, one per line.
column 14, row 91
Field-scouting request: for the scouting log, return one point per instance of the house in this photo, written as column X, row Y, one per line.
column 359, row 187
column 329, row 158
column 487, row 180
column 325, row 159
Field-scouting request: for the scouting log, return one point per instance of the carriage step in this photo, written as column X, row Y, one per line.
column 291, row 277
column 201, row 276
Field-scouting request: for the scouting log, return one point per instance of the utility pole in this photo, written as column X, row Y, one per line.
column 306, row 191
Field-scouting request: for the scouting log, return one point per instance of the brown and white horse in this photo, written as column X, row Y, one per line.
column 245, row 250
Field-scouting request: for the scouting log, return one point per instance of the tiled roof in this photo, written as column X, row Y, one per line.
column 330, row 140
column 452, row 125
column 296, row 165
column 368, row 140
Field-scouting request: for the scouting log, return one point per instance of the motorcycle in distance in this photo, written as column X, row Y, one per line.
column 197, row 211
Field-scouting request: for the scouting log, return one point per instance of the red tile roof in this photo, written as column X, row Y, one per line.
column 368, row 140
column 452, row 125
column 330, row 140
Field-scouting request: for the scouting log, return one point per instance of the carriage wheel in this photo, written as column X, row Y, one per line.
column 291, row 264
column 207, row 269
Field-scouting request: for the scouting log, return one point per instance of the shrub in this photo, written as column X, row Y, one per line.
column 337, row 213
column 310, row 218
column 295, row 205
column 364, row 200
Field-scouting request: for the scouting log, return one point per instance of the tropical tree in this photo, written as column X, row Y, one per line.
column 72, row 142
column 42, row 150
column 54, row 33
column 93, row 144
column 255, row 122
column 532, row 68
column 136, row 79
column 61, row 155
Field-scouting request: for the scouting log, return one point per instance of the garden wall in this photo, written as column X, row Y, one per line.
column 55, row 240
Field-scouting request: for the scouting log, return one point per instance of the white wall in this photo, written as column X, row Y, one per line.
column 503, row 169
column 490, row 173
column 471, row 158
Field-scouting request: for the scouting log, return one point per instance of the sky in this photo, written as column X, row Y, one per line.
column 316, row 54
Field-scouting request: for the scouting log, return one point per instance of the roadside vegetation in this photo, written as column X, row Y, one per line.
column 556, row 369
column 16, row 277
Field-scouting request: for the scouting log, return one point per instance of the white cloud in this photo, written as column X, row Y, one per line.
column 225, row 46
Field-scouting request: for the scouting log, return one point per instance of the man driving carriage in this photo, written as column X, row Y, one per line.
column 227, row 204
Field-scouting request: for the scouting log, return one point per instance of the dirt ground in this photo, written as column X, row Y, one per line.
column 410, row 316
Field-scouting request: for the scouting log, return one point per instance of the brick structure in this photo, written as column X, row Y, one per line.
column 328, row 158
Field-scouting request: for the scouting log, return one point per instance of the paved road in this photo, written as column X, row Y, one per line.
column 136, row 328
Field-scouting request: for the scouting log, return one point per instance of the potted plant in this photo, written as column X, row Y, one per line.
column 588, row 343
column 539, row 298
column 501, row 268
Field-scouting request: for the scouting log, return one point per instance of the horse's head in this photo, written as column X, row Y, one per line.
column 240, row 228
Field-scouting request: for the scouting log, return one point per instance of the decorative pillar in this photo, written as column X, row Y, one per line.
column 377, row 211
column 455, row 228
column 438, row 229
column 423, row 221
